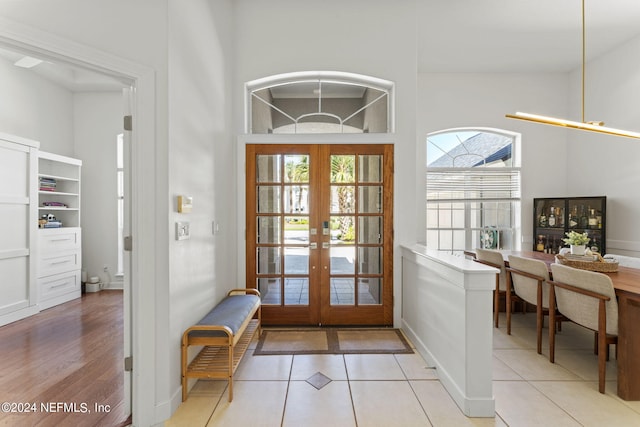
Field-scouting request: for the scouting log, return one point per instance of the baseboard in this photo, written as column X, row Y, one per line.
column 115, row 285
column 165, row 410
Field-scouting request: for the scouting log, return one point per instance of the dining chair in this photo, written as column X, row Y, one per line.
column 494, row 258
column 529, row 279
column 588, row 299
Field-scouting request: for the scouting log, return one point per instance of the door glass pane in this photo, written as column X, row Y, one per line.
column 370, row 168
column 296, row 199
column 296, row 291
column 342, row 291
column 296, row 168
column 370, row 260
column 342, row 168
column 296, row 260
column 370, row 199
column 268, row 229
column 342, row 199
column 369, row 291
column 268, row 261
column 370, row 229
column 342, row 260
column 268, row 168
column 269, row 290
column 342, row 230
column 296, row 229
column 268, row 199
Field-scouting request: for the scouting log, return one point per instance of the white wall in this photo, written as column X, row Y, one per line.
column 201, row 165
column 600, row 165
column 97, row 118
column 468, row 100
column 375, row 38
column 35, row 108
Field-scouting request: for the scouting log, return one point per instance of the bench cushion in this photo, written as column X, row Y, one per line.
column 231, row 312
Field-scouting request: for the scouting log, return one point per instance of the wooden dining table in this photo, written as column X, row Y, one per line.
column 626, row 282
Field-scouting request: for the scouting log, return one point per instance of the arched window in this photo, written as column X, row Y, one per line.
column 473, row 189
column 319, row 102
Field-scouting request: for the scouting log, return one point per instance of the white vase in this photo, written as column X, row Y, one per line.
column 578, row 249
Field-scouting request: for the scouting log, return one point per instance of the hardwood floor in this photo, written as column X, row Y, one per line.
column 63, row 362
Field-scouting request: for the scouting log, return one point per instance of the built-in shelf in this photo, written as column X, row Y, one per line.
column 60, row 249
column 62, row 174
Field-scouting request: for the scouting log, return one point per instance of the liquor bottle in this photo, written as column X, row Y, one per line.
column 584, row 218
column 542, row 220
column 560, row 217
column 552, row 217
column 573, row 218
column 595, row 247
column 540, row 245
column 593, row 221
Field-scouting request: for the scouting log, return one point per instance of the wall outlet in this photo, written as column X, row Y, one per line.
column 182, row 230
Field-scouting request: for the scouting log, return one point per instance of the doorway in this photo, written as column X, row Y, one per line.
column 56, row 76
column 320, row 232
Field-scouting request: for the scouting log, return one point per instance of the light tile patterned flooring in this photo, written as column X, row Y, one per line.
column 400, row 390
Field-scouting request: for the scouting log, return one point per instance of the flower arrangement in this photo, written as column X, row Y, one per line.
column 575, row 238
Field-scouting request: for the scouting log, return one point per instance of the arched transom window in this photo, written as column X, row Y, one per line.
column 319, row 102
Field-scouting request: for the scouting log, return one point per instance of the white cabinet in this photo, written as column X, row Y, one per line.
column 59, row 265
column 18, row 223
column 59, row 239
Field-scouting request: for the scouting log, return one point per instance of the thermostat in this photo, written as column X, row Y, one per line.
column 185, row 204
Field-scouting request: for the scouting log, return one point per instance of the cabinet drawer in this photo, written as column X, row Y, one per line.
column 54, row 240
column 59, row 262
column 58, row 284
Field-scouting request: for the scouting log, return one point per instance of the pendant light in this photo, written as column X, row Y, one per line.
column 583, row 125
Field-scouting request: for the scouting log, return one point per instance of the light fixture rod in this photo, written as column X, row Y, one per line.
column 584, row 58
column 584, row 125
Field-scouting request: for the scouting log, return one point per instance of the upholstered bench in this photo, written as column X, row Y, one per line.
column 225, row 332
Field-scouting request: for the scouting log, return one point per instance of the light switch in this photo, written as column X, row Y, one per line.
column 182, row 230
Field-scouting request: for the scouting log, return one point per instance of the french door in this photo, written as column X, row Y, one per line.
column 320, row 233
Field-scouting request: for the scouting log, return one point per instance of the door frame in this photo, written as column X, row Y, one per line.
column 301, row 139
column 142, row 315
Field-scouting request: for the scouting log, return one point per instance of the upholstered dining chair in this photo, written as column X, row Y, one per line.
column 588, row 299
column 529, row 279
column 494, row 259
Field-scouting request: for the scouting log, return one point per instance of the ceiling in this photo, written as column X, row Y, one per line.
column 463, row 36
column 519, row 35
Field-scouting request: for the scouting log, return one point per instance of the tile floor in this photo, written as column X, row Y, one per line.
column 400, row 390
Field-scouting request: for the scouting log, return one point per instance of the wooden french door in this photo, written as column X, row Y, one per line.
column 320, row 233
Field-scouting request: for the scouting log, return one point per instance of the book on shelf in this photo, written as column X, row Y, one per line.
column 47, row 184
column 53, row 224
column 54, row 204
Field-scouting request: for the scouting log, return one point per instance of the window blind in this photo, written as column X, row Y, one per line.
column 473, row 184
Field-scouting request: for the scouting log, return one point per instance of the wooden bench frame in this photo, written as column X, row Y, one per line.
column 221, row 355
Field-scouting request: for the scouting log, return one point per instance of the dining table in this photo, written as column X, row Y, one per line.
column 626, row 282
